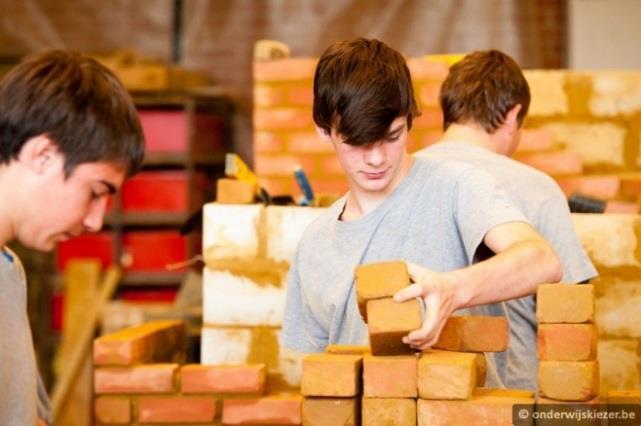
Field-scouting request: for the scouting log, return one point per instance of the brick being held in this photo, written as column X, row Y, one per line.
column 379, row 280
column 389, row 321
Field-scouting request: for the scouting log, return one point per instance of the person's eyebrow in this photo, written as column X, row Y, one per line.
column 111, row 188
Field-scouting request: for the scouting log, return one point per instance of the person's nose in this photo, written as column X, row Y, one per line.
column 96, row 214
column 375, row 155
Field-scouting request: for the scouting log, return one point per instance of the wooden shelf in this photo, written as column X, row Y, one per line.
column 169, row 278
column 181, row 159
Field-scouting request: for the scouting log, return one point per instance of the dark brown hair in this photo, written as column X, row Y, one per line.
column 483, row 87
column 360, row 88
column 77, row 102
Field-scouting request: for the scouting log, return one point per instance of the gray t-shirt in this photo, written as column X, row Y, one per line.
column 437, row 217
column 22, row 394
column 546, row 208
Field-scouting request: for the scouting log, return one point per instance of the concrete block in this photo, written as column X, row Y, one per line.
column 331, row 375
column 390, row 376
column 569, row 380
column 234, row 300
column 230, row 231
column 565, row 303
column 474, row 334
column 285, row 227
column 389, row 321
column 447, row 375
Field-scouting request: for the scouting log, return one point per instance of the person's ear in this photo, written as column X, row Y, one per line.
column 512, row 119
column 39, row 154
column 323, row 134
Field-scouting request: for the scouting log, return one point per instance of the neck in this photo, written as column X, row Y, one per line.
column 472, row 134
column 360, row 202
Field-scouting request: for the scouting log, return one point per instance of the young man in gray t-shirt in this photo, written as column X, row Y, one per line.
column 433, row 214
column 485, row 99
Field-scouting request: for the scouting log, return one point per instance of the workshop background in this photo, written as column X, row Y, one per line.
column 204, row 88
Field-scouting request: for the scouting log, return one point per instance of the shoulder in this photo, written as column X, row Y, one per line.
column 320, row 226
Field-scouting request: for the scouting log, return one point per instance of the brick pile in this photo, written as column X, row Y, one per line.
column 139, row 379
column 567, row 339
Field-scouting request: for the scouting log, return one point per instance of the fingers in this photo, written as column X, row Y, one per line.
column 410, row 292
column 415, row 271
column 426, row 334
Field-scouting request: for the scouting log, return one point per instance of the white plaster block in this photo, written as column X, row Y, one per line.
column 615, row 93
column 618, row 364
column 224, row 346
column 618, row 310
column 230, row 231
column 230, row 299
column 548, row 92
column 285, row 227
column 596, row 143
column 610, row 240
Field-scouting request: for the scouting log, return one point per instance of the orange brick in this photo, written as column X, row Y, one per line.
column 624, row 396
column 631, row 186
column 487, row 407
column 567, row 342
column 424, row 69
column 331, row 375
column 153, row 341
column 225, row 379
column 389, row 321
column 266, row 95
column 535, row 140
column 113, row 410
column 474, row 334
column 282, row 165
column 554, row 163
column 481, row 369
column 622, row 207
column 331, row 411
column 347, row 350
column 447, row 375
column 430, row 118
column 603, row 187
column 389, row 411
column 308, row 142
column 378, row 280
column 428, row 94
column 390, row 376
column 273, row 410
column 282, row 118
column 329, row 164
column 430, row 137
column 278, row 185
column 286, row 69
column 329, row 184
column 176, row 409
column 565, row 303
column 268, row 142
column 569, row 380
column 233, row 191
column 149, row 378
column 301, row 94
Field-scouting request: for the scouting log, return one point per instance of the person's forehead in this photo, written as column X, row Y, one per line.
column 112, row 173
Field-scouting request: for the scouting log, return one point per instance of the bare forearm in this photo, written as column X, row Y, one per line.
column 513, row 273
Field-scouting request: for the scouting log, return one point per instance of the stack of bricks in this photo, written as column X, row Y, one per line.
column 582, row 128
column 447, row 381
column 567, row 340
column 139, row 380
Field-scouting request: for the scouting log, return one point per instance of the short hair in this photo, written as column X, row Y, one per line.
column 483, row 87
column 78, row 103
column 360, row 88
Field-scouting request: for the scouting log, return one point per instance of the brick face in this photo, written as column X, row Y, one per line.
column 277, row 410
column 112, row 410
column 390, row 376
column 198, row 378
column 151, row 378
column 345, row 372
column 176, row 409
column 474, row 334
column 389, row 322
column 569, row 380
column 564, row 303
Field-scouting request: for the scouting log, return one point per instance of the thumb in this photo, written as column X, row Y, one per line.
column 409, row 292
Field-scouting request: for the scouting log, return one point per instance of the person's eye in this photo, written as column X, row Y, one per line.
column 392, row 138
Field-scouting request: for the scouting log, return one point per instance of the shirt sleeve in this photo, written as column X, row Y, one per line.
column 301, row 332
column 480, row 205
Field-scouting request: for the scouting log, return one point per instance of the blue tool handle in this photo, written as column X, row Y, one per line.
column 303, row 184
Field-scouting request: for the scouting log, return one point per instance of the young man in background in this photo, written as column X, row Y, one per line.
column 485, row 99
column 432, row 214
column 69, row 136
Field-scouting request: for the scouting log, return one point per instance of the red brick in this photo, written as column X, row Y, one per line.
column 428, row 94
column 631, row 186
column 624, row 396
column 288, row 69
column 273, row 410
column 282, row 118
column 266, row 95
column 233, row 191
column 378, row 280
column 331, row 375
column 153, row 341
column 604, row 187
column 554, row 163
column 390, row 376
column 424, row 69
column 569, row 380
column 308, row 142
column 277, row 185
column 268, row 142
column 389, row 321
column 389, row 411
column 567, row 342
column 301, row 94
column 150, row 378
column 113, row 410
column 347, row 350
column 281, row 165
column 535, row 140
column 430, row 137
column 487, row 407
column 622, row 207
column 331, row 411
column 430, row 118
column 226, row 379
column 565, row 303
column 176, row 409
column 447, row 375
column 474, row 334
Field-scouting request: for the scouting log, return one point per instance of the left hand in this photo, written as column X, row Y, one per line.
column 438, row 292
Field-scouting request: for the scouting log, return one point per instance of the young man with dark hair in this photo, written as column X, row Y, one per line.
column 485, row 99
column 69, row 136
column 432, row 214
